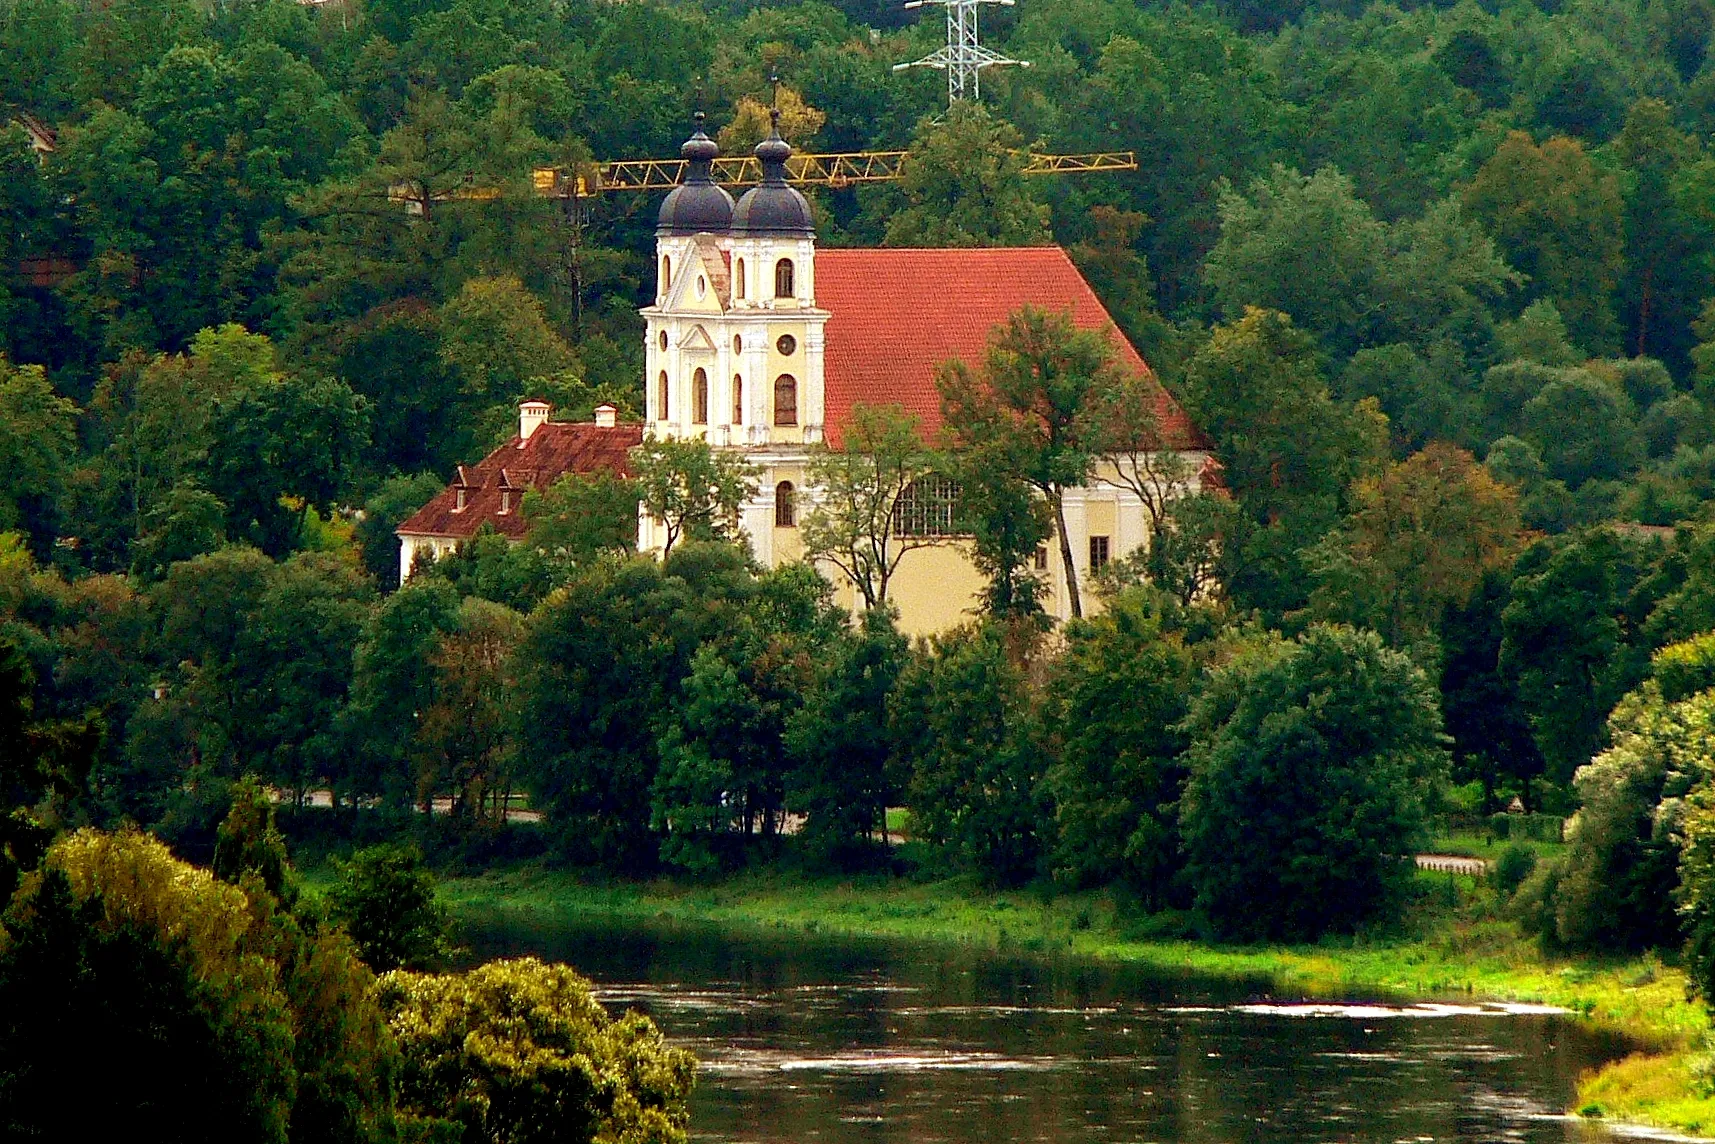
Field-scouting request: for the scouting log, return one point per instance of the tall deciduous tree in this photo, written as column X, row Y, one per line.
column 38, row 431
column 1288, row 450
column 1559, row 220
column 962, row 186
column 1111, row 720
column 1035, row 407
column 858, row 485
column 1419, row 539
column 693, row 491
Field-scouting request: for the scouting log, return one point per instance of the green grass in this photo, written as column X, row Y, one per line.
column 1480, row 844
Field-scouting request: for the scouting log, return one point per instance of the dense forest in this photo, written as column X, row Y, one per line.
column 1433, row 279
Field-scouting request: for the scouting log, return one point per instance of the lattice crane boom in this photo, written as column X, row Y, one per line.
column 835, row 169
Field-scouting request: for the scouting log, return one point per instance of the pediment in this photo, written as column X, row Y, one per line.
column 697, row 341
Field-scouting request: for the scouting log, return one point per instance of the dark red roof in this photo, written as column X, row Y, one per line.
column 898, row 314
column 553, row 450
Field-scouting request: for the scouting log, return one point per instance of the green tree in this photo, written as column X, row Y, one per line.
column 1311, row 769
column 1034, row 409
column 1583, row 429
column 582, row 516
column 1614, row 887
column 691, row 490
column 384, row 897
column 963, row 725
column 859, row 484
column 1288, row 450
column 393, row 683
column 249, row 843
column 288, row 446
column 1418, row 540
column 1559, row 220
column 496, row 333
column 1572, row 636
column 1112, row 709
column 38, row 434
column 519, row 1052
column 841, row 779
column 463, row 743
column 962, row 187
column 724, row 762
column 385, row 510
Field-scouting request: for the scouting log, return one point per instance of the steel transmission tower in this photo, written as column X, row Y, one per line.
column 963, row 59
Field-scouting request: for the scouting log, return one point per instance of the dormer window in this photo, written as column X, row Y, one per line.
column 459, row 506
column 505, row 501
column 739, row 278
column 783, row 285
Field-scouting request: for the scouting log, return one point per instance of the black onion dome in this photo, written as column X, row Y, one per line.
column 773, row 207
column 698, row 205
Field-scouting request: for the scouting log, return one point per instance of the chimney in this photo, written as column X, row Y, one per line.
column 532, row 415
column 606, row 415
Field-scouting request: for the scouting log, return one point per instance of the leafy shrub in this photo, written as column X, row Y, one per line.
column 518, row 1052
column 1513, row 866
column 1527, row 827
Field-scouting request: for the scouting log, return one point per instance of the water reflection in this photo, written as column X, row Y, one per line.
column 874, row 1043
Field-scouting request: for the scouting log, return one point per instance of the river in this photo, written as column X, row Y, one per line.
column 867, row 1042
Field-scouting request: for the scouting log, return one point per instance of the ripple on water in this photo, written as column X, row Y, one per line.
column 758, row 1062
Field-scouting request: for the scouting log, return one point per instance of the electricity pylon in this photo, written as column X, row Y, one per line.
column 963, row 59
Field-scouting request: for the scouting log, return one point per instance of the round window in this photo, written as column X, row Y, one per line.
column 787, row 345
column 662, row 341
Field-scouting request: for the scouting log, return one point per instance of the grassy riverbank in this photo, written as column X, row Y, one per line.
column 1443, row 953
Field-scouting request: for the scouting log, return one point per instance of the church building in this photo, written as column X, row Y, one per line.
column 761, row 343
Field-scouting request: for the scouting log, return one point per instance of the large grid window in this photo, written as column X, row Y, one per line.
column 928, row 507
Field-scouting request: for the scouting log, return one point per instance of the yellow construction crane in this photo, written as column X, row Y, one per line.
column 839, row 169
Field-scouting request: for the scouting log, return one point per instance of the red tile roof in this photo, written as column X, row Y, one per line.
column 553, row 450
column 898, row 314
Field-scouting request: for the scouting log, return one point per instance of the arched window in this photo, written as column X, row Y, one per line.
column 661, row 397
column 739, row 278
column 783, row 278
column 700, row 397
column 927, row 507
column 737, row 400
column 666, row 273
column 661, row 341
column 785, row 505
column 786, row 400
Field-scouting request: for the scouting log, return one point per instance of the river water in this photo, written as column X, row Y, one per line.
column 863, row 1042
